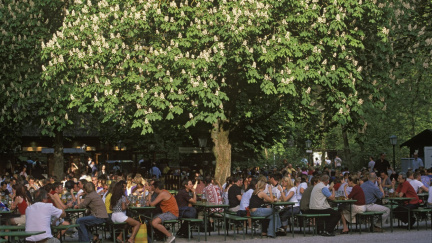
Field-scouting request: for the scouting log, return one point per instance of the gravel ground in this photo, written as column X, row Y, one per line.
column 400, row 235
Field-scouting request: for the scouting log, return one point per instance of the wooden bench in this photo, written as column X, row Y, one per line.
column 59, row 228
column 368, row 215
column 419, row 211
column 12, row 227
column 234, row 218
column 304, row 217
column 253, row 219
column 189, row 223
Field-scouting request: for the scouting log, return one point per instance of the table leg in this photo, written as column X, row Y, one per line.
column 224, row 225
column 391, row 215
column 349, row 225
column 292, row 220
column 205, row 224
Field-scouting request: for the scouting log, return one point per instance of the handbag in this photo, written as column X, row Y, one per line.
column 141, row 236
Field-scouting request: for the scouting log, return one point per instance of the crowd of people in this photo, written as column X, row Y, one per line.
column 41, row 203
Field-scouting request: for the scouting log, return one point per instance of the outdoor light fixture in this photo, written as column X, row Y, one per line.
column 308, row 143
column 202, row 143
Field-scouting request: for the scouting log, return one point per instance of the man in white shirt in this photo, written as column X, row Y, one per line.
column 417, row 184
column 319, row 205
column 274, row 182
column 38, row 217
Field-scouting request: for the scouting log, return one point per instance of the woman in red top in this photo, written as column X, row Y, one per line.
column 358, row 207
column 20, row 201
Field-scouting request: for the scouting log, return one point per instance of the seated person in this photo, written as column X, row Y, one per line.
column 234, row 194
column 288, row 195
column 98, row 213
column 405, row 189
column 119, row 203
column 258, row 210
column 168, row 206
column 184, row 202
column 358, row 207
column 20, row 201
column 417, row 184
column 319, row 205
column 38, row 217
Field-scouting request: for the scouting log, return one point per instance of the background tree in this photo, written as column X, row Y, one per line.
column 27, row 101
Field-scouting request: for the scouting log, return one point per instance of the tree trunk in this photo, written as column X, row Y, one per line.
column 347, row 151
column 58, row 156
column 221, row 151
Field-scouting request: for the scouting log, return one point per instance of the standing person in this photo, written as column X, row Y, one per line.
column 358, row 207
column 338, row 162
column 371, row 164
column 168, row 206
column 405, row 189
column 97, row 209
column 154, row 171
column 38, row 217
column 318, row 204
column 382, row 164
column 328, row 162
column 258, row 198
column 119, row 203
column 184, row 201
column 417, row 162
column 234, row 194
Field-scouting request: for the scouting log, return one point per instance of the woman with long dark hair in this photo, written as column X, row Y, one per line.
column 119, row 204
column 20, row 201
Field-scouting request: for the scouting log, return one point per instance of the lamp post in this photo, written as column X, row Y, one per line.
column 393, row 141
column 308, row 145
column 202, row 143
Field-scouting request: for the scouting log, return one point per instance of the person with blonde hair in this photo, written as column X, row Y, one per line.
column 258, row 209
column 288, row 195
column 130, row 184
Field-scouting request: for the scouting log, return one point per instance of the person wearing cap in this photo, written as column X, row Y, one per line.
column 382, row 164
column 417, row 162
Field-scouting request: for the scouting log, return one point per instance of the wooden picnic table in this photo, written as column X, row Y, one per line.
column 12, row 235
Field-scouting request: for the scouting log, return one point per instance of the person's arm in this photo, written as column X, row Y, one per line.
column 380, row 186
column 302, row 190
column 84, row 203
column 17, row 200
column 193, row 199
column 159, row 198
column 345, row 191
column 288, row 197
column 57, row 201
column 125, row 204
column 60, row 203
column 328, row 194
column 266, row 197
column 423, row 189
